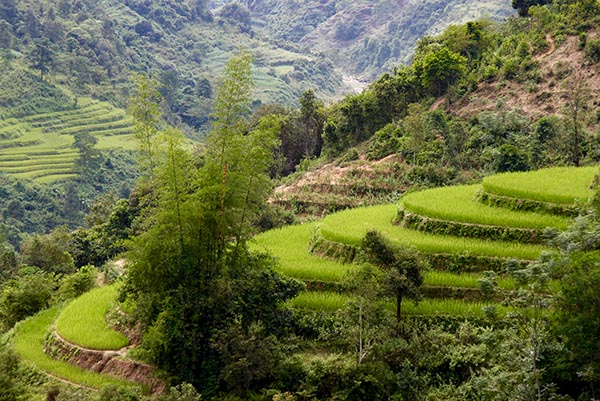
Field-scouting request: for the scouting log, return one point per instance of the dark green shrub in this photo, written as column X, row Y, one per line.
column 510, row 158
column 582, row 40
column 77, row 283
column 25, row 295
column 592, row 50
column 113, row 392
column 181, row 392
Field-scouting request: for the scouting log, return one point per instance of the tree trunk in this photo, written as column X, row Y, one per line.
column 398, row 307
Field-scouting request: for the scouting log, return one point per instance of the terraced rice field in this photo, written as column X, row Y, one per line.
column 350, row 226
column 39, row 147
column 82, row 322
column 562, row 185
column 28, row 342
column 458, row 204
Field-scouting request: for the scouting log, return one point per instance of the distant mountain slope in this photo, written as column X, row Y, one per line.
column 94, row 47
column 365, row 38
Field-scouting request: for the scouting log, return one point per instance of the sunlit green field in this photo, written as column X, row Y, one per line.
column 328, row 301
column 350, row 226
column 290, row 246
column 83, row 323
column 457, row 203
column 28, row 343
column 565, row 185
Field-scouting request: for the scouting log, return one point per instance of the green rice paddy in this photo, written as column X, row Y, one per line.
column 331, row 302
column 290, row 246
column 458, row 204
column 39, row 147
column 563, row 185
column 28, row 343
column 350, row 226
column 83, row 323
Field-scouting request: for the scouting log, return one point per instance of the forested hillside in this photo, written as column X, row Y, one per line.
column 366, row 38
column 92, row 48
column 463, row 266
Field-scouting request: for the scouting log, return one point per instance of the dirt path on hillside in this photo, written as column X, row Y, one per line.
column 551, row 48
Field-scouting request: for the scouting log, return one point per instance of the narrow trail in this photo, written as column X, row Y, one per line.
column 551, row 48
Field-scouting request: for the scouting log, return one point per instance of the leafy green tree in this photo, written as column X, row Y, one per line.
column 41, row 56
column 404, row 268
column 9, row 11
column 145, row 109
column 191, row 274
column 311, row 120
column 438, row 67
column 49, row 252
column 6, row 37
column 181, row 392
column 236, row 162
column 238, row 14
column 523, row 6
column 74, row 285
column 576, row 111
column 578, row 319
column 510, row 158
column 24, row 295
column 366, row 316
column 12, row 388
column 90, row 160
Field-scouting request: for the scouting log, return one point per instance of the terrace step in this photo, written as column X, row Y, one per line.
column 430, row 225
column 529, row 205
column 568, row 186
column 464, row 262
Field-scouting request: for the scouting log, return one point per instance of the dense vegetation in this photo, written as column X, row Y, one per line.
column 220, row 319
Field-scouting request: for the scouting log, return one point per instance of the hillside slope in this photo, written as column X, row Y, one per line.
column 93, row 48
column 366, row 38
column 527, row 102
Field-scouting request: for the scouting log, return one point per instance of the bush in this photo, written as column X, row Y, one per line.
column 510, row 158
column 25, row 295
column 77, row 283
column 9, row 375
column 113, row 392
column 592, row 50
column 384, row 142
column 182, row 392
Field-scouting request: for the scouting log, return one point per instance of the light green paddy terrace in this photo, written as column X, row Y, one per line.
column 563, row 185
column 458, row 204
